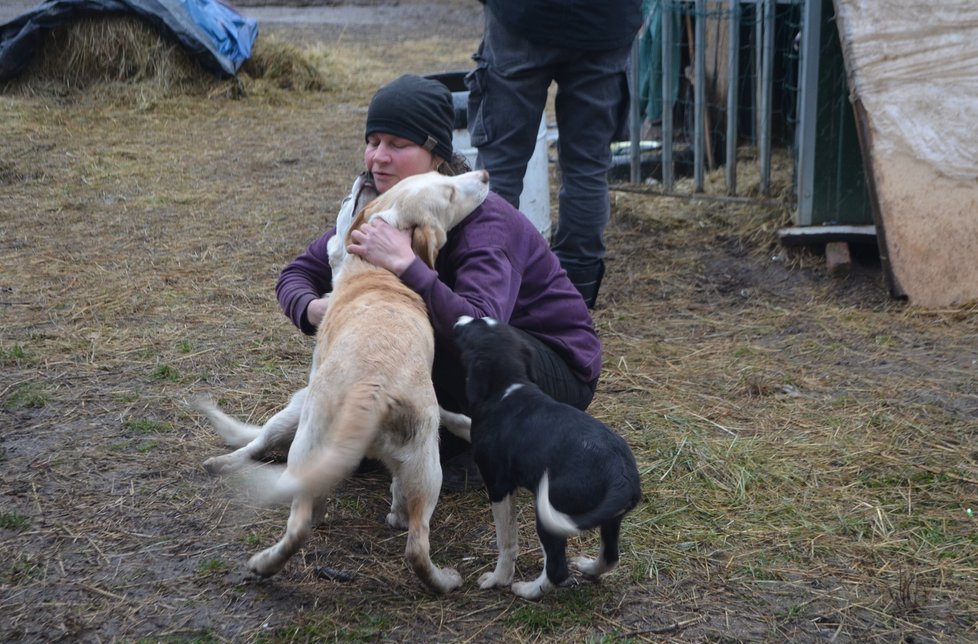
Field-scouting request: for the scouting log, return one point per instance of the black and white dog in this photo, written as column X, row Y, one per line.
column 583, row 474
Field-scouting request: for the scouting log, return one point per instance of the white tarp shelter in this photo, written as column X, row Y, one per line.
column 913, row 76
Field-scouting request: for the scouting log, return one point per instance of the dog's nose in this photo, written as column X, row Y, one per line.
column 484, row 176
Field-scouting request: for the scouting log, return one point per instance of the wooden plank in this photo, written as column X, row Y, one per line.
column 811, row 235
column 911, row 67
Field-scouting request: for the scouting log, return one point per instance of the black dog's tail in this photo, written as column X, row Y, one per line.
column 618, row 500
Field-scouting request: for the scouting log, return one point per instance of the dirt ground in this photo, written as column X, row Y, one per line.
column 806, row 442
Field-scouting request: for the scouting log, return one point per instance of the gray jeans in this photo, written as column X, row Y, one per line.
column 507, row 96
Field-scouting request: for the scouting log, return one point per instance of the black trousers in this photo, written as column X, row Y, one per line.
column 550, row 373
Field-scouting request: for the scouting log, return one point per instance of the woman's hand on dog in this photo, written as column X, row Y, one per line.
column 383, row 245
column 316, row 310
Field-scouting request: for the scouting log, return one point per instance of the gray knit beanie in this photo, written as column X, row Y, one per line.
column 417, row 109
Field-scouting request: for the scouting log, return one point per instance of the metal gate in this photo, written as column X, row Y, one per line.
column 755, row 76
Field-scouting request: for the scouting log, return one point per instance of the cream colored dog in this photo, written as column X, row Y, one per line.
column 370, row 392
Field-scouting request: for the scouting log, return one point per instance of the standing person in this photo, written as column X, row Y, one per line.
column 584, row 46
column 494, row 263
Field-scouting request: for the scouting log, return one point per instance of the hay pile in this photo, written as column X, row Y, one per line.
column 105, row 50
column 285, row 66
column 118, row 56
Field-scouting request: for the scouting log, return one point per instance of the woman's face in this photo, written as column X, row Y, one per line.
column 390, row 158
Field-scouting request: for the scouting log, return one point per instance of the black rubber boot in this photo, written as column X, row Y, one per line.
column 588, row 282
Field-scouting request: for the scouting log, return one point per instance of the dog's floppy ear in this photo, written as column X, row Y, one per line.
column 423, row 244
column 426, row 241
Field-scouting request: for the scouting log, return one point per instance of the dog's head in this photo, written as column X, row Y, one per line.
column 429, row 205
column 494, row 356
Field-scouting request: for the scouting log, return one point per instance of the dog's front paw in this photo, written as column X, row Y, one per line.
column 227, row 463
column 448, row 580
column 396, row 521
column 265, row 563
column 215, row 465
column 492, row 580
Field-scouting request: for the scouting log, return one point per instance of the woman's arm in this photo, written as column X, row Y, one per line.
column 485, row 284
column 303, row 281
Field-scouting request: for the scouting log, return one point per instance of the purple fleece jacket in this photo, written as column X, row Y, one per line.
column 494, row 263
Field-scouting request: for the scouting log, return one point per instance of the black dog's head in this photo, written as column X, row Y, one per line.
column 494, row 356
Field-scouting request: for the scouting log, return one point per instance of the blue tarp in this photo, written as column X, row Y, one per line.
column 214, row 33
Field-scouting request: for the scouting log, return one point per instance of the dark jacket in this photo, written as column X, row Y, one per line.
column 571, row 24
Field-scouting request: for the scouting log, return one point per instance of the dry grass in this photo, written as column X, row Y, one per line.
column 806, row 443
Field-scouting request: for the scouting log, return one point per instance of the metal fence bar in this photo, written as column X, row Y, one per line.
column 758, row 56
column 668, row 103
column 733, row 80
column 635, row 122
column 699, row 95
column 811, row 35
column 767, row 91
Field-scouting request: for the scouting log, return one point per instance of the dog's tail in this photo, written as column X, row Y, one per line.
column 350, row 434
column 618, row 500
column 234, row 432
column 553, row 519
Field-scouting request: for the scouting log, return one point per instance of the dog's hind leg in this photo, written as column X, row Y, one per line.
column 420, row 489
column 270, row 561
column 554, row 567
column 278, row 431
column 417, row 465
column 397, row 518
column 507, row 543
column 608, row 557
